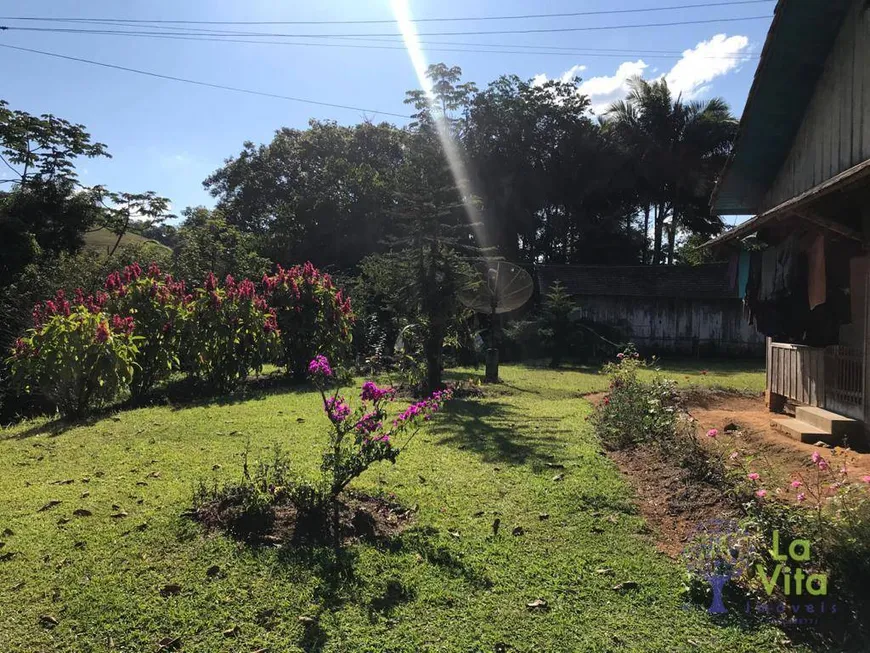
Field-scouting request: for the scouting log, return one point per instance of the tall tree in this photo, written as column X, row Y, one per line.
column 680, row 147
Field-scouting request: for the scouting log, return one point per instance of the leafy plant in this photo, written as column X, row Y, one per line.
column 159, row 307
column 556, row 329
column 314, row 316
column 231, row 332
column 76, row 355
column 635, row 411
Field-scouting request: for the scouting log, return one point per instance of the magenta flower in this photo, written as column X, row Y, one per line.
column 816, row 457
column 336, row 408
column 866, row 479
column 620, row 355
column 801, row 497
column 371, row 392
column 754, row 476
column 761, row 493
column 796, row 484
column 319, row 367
column 712, row 433
column 823, row 464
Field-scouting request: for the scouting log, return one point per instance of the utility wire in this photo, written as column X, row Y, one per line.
column 550, row 30
column 538, row 50
column 390, row 21
column 199, row 83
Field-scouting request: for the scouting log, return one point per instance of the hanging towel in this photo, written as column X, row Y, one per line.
column 742, row 273
column 817, row 282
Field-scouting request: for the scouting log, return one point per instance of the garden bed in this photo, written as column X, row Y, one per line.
column 361, row 517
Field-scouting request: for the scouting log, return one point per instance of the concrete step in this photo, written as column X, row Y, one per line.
column 827, row 421
column 798, row 430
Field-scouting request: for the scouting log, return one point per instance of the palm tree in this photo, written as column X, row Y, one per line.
column 679, row 148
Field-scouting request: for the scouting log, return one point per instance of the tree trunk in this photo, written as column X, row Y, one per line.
column 434, row 345
column 672, row 237
column 645, row 252
column 657, row 236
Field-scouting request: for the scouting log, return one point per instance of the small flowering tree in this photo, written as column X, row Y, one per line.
column 314, row 316
column 76, row 355
column 160, row 307
column 231, row 331
column 364, row 436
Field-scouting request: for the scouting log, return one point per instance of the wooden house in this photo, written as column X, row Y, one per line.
column 801, row 167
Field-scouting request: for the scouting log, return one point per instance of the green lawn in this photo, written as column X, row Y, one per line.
column 426, row 590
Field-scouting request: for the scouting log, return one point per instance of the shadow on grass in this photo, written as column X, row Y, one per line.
column 499, row 432
column 180, row 394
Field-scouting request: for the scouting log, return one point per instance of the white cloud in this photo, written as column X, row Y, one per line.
column 605, row 90
column 691, row 76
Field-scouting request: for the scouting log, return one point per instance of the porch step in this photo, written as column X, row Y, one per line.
column 799, row 430
column 827, row 421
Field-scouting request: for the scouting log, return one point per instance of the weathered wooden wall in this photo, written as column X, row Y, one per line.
column 683, row 326
column 835, row 132
column 796, row 372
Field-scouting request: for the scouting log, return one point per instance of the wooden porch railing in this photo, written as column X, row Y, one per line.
column 796, row 372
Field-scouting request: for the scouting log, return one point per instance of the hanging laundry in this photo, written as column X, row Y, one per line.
column 817, row 283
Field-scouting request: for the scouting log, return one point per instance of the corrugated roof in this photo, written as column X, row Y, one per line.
column 797, row 45
column 709, row 281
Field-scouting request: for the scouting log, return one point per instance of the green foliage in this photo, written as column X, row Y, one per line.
column 75, row 358
column 207, row 243
column 635, row 410
column 557, row 330
column 313, row 315
column 158, row 306
column 230, row 333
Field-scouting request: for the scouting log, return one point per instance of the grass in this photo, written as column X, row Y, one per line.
column 446, row 584
column 103, row 240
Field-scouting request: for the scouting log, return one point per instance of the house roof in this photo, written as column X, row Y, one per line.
column 792, row 60
column 709, row 281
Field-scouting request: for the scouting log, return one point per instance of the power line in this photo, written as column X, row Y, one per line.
column 390, row 21
column 550, row 30
column 530, row 50
column 199, row 83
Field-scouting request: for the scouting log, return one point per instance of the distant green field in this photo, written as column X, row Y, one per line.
column 103, row 240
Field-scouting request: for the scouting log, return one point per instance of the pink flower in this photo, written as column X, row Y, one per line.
column 620, row 355
column 796, row 484
column 712, row 433
column 734, row 455
column 816, row 456
column 823, row 464
column 866, row 479
column 843, row 470
column 754, row 476
column 761, row 493
column 801, row 497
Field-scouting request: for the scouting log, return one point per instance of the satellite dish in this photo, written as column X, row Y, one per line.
column 501, row 288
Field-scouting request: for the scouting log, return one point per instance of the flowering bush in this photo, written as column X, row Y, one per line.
column 314, row 316
column 159, row 307
column 359, row 438
column 76, row 355
column 634, row 410
column 231, row 331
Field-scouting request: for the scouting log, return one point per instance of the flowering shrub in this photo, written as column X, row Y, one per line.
column 314, row 316
column 231, row 331
column 634, row 410
column 76, row 355
column 359, row 438
column 159, row 307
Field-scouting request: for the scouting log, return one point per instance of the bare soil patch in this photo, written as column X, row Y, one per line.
column 672, row 502
column 361, row 517
column 755, row 436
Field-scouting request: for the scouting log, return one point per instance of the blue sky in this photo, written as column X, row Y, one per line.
column 168, row 136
